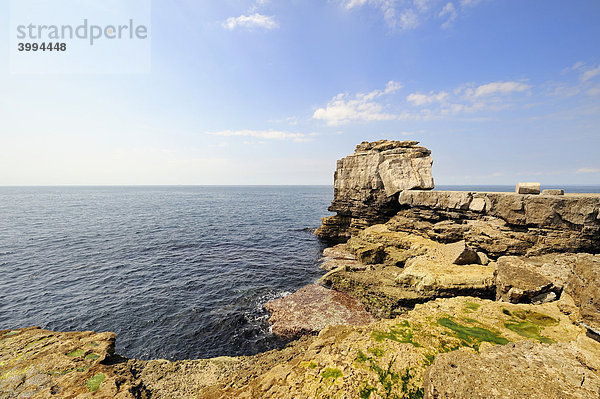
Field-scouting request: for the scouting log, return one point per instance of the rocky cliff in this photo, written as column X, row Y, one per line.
column 368, row 182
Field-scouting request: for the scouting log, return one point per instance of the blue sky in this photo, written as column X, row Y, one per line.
column 274, row 92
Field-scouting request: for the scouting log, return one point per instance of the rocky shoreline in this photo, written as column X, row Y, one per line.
column 430, row 294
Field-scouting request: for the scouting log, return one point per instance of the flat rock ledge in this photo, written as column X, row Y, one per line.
column 525, row 370
column 311, row 309
column 44, row 364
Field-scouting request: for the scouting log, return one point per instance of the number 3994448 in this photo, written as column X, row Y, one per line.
column 42, row 46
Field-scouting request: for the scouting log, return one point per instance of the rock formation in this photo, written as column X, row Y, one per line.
column 367, row 184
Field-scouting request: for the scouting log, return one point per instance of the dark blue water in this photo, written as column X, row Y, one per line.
column 177, row 272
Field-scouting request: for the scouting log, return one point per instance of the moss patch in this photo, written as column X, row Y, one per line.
column 401, row 332
column 471, row 307
column 331, row 372
column 29, row 345
column 472, row 336
column 76, row 353
column 528, row 330
column 93, row 383
column 378, row 352
column 536, row 318
column 92, row 356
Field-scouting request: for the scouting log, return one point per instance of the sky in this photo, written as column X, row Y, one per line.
column 275, row 91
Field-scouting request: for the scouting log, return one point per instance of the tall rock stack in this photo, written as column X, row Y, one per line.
column 368, row 182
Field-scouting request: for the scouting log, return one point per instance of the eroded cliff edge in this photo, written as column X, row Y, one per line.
column 480, row 295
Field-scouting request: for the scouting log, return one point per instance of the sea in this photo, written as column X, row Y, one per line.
column 179, row 272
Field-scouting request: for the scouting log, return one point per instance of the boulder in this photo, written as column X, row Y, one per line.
column 532, row 279
column 312, row 308
column 519, row 370
column 528, row 188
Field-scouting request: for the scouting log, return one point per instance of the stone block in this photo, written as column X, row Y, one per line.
column 528, row 188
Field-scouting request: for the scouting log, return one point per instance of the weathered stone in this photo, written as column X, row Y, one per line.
column 529, row 280
column 46, row 364
column 312, row 308
column 339, row 251
column 431, row 270
column 459, row 254
column 432, row 278
column 477, row 205
column 553, row 192
column 583, row 285
column 482, row 258
column 520, row 370
column 528, row 188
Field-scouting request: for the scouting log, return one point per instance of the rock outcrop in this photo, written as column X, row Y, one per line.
column 402, row 269
column 311, row 309
column 367, row 184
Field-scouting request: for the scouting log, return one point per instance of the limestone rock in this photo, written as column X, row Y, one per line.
column 339, row 256
column 367, row 183
column 553, row 192
column 520, row 370
column 339, row 251
column 437, row 279
column 509, row 224
column 46, row 364
column 528, row 188
column 583, row 285
column 521, row 279
column 312, row 308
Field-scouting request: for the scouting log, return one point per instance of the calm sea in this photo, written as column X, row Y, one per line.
column 176, row 272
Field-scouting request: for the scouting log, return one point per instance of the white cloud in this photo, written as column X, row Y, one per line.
column 469, row 3
column 450, row 12
column 409, row 14
column 590, row 73
column 343, row 108
column 422, row 99
column 255, row 20
column 594, row 91
column 408, row 20
column 266, row 134
column 588, row 170
column 498, row 88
